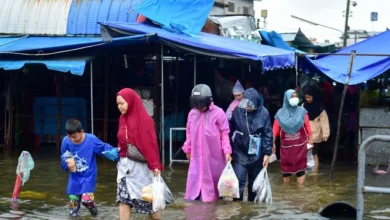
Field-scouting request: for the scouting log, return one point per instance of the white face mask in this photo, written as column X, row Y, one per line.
column 294, row 102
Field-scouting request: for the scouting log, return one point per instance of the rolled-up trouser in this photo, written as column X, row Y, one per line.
column 87, row 199
column 242, row 172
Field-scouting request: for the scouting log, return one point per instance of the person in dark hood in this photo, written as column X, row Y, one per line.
column 252, row 140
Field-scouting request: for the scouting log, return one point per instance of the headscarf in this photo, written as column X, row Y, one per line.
column 140, row 128
column 238, row 88
column 315, row 108
column 291, row 119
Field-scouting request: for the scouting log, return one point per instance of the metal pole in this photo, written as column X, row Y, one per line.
column 91, row 72
column 162, row 106
column 296, row 69
column 346, row 24
column 194, row 70
column 362, row 171
column 59, row 80
column 341, row 113
column 170, row 146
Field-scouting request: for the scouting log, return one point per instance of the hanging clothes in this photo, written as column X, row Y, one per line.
column 208, row 143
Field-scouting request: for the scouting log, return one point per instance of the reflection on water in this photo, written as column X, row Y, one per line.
column 43, row 196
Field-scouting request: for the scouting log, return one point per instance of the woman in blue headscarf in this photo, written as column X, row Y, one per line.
column 293, row 126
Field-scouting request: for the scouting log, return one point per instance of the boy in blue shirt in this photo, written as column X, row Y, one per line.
column 79, row 152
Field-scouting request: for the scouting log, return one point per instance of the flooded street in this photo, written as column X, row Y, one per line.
column 43, row 196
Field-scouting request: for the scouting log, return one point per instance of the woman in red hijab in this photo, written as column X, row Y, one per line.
column 139, row 154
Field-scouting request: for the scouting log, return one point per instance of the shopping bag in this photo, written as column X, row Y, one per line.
column 161, row 194
column 147, row 193
column 228, row 185
column 272, row 158
column 262, row 188
column 310, row 160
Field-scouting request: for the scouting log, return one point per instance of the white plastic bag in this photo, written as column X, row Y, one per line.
column 272, row 158
column 228, row 185
column 310, row 160
column 262, row 188
column 161, row 194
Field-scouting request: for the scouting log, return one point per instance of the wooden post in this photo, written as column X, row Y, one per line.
column 336, row 145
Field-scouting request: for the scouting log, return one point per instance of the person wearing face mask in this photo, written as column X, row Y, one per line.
column 293, row 126
column 238, row 92
column 207, row 145
column 250, row 122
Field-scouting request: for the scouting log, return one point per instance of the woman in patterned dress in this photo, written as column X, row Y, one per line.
column 136, row 128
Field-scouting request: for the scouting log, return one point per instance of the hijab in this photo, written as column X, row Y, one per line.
column 291, row 119
column 140, row 128
column 315, row 108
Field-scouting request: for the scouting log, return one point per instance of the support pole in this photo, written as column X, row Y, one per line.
column 194, row 70
column 162, row 106
column 296, row 69
column 91, row 72
column 346, row 24
column 105, row 126
column 353, row 53
column 59, row 79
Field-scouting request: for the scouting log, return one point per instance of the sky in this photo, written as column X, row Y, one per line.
column 325, row 12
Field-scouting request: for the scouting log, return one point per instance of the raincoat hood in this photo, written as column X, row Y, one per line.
column 253, row 96
column 238, row 88
column 245, row 123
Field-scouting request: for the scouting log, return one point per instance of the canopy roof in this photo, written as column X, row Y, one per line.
column 211, row 45
column 364, row 67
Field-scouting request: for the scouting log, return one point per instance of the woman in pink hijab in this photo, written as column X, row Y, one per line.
column 238, row 92
column 207, row 145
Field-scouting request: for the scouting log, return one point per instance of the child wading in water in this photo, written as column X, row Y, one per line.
column 79, row 151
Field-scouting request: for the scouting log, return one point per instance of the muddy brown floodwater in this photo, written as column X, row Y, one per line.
column 43, row 196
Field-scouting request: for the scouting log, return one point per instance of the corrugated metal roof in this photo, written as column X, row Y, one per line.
column 36, row 17
column 62, row 17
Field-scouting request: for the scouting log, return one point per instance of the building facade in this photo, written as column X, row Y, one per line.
column 227, row 7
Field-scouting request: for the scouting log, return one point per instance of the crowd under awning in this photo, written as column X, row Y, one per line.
column 208, row 44
column 364, row 67
column 58, row 53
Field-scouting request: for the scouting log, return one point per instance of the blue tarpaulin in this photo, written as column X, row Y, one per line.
column 43, row 44
column 214, row 45
column 59, row 46
column 364, row 67
column 274, row 39
column 74, row 65
column 182, row 16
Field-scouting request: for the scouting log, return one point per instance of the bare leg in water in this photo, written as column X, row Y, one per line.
column 316, row 164
column 124, row 211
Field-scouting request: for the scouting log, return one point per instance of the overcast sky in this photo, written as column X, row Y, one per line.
column 326, row 12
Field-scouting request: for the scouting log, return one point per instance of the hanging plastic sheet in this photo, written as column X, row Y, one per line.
column 180, row 16
column 25, row 165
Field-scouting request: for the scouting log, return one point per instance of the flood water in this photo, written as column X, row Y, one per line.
column 43, row 196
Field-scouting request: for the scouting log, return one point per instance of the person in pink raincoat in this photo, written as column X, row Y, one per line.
column 238, row 92
column 207, row 145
